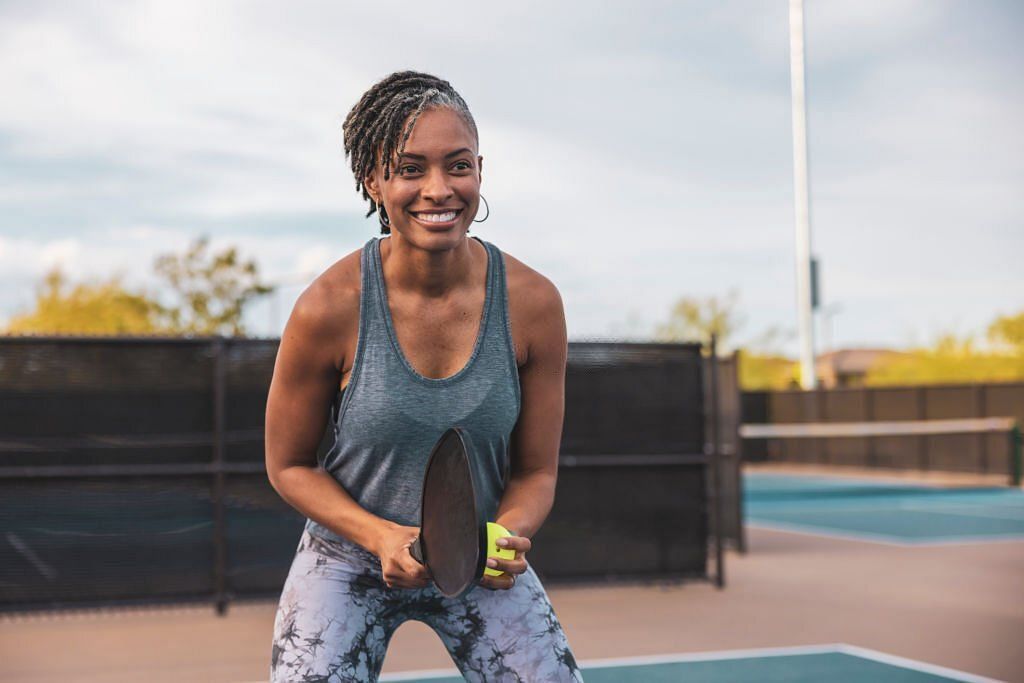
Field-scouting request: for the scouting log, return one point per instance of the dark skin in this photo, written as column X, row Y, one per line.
column 435, row 280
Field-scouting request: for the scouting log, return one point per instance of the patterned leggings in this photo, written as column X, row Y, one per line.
column 336, row 617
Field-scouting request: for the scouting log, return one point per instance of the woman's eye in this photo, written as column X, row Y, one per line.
column 462, row 166
column 407, row 169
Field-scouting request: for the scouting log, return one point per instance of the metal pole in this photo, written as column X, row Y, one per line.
column 741, row 529
column 716, row 474
column 801, row 194
column 219, row 530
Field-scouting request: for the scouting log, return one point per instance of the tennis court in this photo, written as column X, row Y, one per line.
column 838, row 663
column 903, row 513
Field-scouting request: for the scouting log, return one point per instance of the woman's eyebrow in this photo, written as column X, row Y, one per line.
column 411, row 155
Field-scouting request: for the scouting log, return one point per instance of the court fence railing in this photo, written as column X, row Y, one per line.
column 969, row 429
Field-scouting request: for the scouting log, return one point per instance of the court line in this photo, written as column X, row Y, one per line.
column 725, row 655
column 48, row 572
column 868, row 537
column 91, row 534
column 642, row 660
column 914, row 664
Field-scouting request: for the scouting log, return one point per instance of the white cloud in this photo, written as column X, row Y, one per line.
column 632, row 154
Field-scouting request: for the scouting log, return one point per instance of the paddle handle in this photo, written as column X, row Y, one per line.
column 416, row 550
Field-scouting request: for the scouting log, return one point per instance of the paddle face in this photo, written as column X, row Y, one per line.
column 453, row 532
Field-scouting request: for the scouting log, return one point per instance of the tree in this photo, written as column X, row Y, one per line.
column 1008, row 331
column 210, row 293
column 211, row 290
column 88, row 308
column 949, row 359
column 696, row 319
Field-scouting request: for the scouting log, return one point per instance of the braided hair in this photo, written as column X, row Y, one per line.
column 375, row 124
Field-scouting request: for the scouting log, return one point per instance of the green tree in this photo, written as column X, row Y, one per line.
column 950, row 359
column 88, row 308
column 1007, row 331
column 211, row 290
column 696, row 319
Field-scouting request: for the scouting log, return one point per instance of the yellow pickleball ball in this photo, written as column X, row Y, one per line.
column 494, row 532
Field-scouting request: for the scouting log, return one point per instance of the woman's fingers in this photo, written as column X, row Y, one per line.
column 516, row 566
column 520, row 544
column 493, row 583
column 414, row 569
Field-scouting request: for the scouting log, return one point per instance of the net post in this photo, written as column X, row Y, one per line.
column 218, row 484
column 737, row 468
column 716, row 472
column 1015, row 454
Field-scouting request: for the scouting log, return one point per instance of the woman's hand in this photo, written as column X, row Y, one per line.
column 398, row 567
column 512, row 568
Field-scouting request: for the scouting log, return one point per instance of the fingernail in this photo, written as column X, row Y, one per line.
column 492, row 563
column 502, row 542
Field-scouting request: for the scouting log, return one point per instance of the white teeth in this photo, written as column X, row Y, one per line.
column 436, row 217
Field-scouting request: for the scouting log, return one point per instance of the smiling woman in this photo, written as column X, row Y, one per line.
column 379, row 126
column 415, row 333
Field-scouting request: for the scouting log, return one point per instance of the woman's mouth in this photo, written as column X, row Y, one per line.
column 436, row 219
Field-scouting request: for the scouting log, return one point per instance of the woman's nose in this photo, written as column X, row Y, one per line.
column 436, row 187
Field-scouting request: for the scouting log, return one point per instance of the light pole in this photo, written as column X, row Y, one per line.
column 801, row 194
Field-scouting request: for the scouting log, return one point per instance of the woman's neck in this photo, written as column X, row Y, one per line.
column 432, row 273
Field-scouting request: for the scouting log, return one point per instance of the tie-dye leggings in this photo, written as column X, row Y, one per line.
column 336, row 617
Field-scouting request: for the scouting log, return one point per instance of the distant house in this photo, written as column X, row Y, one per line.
column 848, row 367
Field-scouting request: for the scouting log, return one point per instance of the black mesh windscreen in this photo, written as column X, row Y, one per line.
column 625, row 521
column 74, row 534
column 88, row 540
column 262, row 532
column 633, row 399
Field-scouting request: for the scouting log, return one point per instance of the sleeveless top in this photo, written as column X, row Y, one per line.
column 388, row 417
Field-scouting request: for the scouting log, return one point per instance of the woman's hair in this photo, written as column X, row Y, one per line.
column 374, row 125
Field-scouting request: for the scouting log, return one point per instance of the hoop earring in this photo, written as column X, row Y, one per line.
column 382, row 216
column 488, row 207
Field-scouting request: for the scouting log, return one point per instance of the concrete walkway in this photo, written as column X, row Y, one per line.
column 955, row 606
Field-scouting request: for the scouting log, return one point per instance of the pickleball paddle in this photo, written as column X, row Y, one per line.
column 453, row 541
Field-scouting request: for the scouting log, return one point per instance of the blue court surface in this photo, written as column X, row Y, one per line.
column 811, row 664
column 882, row 511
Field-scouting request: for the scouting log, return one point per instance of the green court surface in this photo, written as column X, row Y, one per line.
column 812, row 664
column 883, row 512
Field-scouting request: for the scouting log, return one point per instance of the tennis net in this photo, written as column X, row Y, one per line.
column 983, row 445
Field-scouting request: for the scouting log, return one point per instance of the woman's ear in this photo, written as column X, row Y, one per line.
column 480, row 166
column 372, row 187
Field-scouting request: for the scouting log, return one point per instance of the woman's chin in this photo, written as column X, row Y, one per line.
column 433, row 236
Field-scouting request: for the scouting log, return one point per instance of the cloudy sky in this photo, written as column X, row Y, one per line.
column 634, row 152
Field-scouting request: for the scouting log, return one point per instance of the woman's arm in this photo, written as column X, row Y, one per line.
column 530, row 490
column 305, row 381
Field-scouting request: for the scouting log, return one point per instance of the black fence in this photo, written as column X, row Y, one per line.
column 132, row 470
column 989, row 453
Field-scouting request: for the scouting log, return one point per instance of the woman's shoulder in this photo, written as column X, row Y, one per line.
column 330, row 303
column 532, row 296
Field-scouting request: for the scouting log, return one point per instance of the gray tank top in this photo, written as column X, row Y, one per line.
column 389, row 416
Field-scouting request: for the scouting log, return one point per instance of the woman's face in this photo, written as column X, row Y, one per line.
column 433, row 193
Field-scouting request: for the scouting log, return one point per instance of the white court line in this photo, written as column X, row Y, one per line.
column 725, row 655
column 48, row 572
column 649, row 659
column 913, row 664
column 895, row 541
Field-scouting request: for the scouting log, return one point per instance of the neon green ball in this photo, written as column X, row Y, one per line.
column 494, row 532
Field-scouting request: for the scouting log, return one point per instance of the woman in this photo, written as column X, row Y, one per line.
column 421, row 330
